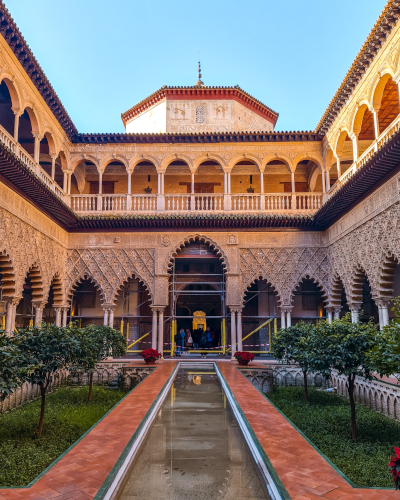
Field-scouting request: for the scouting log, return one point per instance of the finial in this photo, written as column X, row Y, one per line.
column 199, row 82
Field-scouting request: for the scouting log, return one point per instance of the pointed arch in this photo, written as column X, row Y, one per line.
column 175, row 157
column 124, row 281
column 336, row 288
column 308, row 156
column 262, row 277
column 37, row 284
column 208, row 157
column 242, row 157
column 386, row 275
column 319, row 283
column 192, row 238
column 35, row 124
column 8, row 279
column 58, row 290
column 113, row 158
column 133, row 162
column 78, row 280
column 16, row 101
column 278, row 157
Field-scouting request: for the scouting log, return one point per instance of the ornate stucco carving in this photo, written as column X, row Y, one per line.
column 109, row 268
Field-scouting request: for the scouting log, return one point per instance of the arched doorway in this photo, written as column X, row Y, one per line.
column 197, row 291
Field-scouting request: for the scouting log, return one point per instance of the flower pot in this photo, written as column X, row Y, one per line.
column 243, row 362
column 150, row 361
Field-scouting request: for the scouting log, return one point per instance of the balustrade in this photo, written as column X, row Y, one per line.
column 375, row 146
column 30, row 163
column 177, row 202
column 144, row 203
column 246, row 202
column 278, row 202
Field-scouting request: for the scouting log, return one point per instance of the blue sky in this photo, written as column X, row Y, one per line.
column 102, row 57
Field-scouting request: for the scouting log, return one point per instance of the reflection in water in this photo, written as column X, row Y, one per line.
column 194, row 450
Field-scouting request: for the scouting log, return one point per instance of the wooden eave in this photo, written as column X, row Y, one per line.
column 23, row 181
column 17, row 43
column 381, row 30
column 203, row 138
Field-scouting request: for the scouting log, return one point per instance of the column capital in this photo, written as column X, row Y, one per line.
column 39, row 304
column 12, row 300
column 286, row 308
column 17, row 111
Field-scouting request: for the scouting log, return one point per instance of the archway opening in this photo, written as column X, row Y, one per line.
column 389, row 108
column 208, row 179
column 308, row 302
column 177, row 177
column 261, row 303
column 133, row 313
column 144, row 179
column 277, row 177
column 197, row 291
column 32, row 293
column 86, row 304
column 338, row 298
column 25, row 130
column 362, row 297
column 245, row 178
column 6, row 113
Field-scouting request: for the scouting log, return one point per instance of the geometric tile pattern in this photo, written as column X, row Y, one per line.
column 110, row 268
column 284, row 268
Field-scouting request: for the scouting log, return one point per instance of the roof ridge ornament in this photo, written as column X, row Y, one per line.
column 199, row 82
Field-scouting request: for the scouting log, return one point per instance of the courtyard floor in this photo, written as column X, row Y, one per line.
column 81, row 473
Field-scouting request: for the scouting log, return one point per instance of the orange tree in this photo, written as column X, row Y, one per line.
column 343, row 346
column 45, row 349
column 95, row 344
column 290, row 346
column 11, row 372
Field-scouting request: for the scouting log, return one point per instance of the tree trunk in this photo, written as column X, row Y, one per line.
column 305, row 387
column 90, row 386
column 350, row 388
column 43, row 396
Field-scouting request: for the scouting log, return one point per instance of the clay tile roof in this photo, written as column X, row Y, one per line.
column 377, row 36
column 23, row 53
column 204, row 90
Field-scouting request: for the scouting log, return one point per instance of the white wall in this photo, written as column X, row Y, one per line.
column 152, row 121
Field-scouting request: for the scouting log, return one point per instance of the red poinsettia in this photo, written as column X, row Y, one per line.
column 244, row 356
column 394, row 467
column 150, row 354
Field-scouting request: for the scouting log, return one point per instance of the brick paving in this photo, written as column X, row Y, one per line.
column 302, row 470
column 82, row 471
column 304, row 473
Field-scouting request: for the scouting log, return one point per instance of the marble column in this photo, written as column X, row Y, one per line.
column 375, row 112
column 64, row 316
column 57, row 310
column 105, row 317
column 283, row 319
column 154, row 329
column 111, row 317
column 233, row 332
column 161, row 331
column 329, row 312
column 39, row 306
column 239, row 329
column 337, row 313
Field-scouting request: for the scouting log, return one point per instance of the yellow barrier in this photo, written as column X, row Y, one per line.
column 256, row 330
column 136, row 341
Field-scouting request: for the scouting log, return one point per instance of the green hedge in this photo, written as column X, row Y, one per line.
column 68, row 416
column 325, row 420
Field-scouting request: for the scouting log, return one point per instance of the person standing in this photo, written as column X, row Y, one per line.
column 188, row 339
column 196, row 338
column 179, row 341
column 210, row 338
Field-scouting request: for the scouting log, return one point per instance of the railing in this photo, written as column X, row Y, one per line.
column 246, row 202
column 308, row 201
column 206, row 202
column 177, row 202
column 383, row 139
column 114, row 202
column 84, row 202
column 278, row 202
column 144, row 203
column 30, row 163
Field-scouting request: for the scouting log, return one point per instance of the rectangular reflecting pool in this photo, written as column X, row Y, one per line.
column 194, row 449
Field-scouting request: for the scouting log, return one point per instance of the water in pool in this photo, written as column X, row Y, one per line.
column 194, row 449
